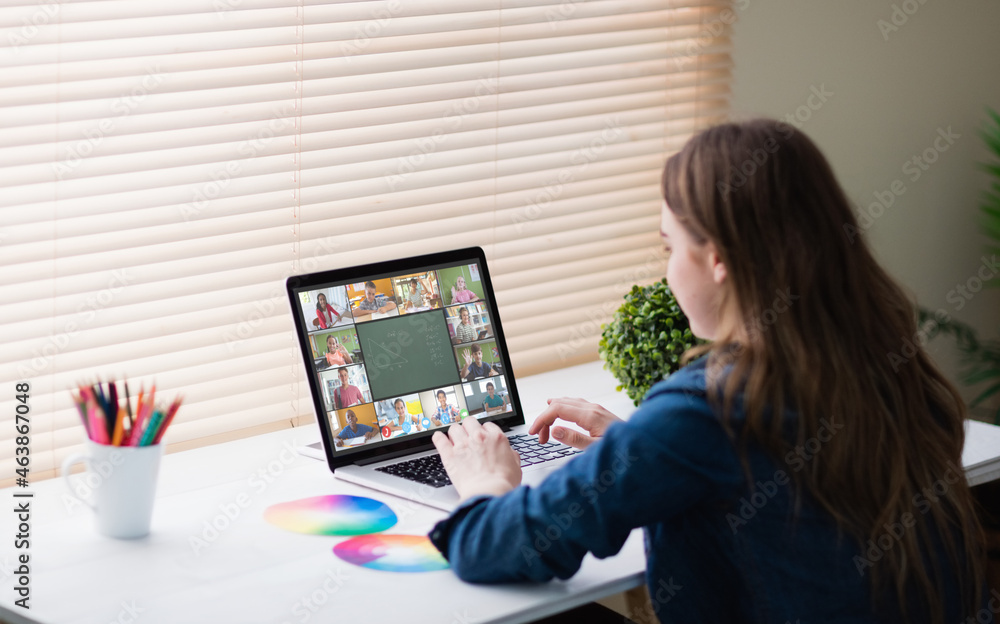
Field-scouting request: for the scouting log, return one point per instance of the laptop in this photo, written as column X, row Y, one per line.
column 386, row 376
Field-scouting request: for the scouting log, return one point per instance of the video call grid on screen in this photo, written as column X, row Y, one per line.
column 400, row 354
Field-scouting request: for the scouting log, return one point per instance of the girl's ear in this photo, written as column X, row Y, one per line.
column 718, row 268
column 719, row 273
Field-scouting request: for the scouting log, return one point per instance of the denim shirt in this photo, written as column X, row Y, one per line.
column 716, row 550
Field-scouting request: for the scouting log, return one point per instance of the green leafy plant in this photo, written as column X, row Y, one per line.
column 645, row 340
column 980, row 358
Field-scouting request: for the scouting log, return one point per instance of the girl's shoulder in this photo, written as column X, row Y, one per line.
column 684, row 394
column 687, row 380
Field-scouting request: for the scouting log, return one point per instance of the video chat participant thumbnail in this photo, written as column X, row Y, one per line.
column 336, row 348
column 359, row 426
column 326, row 308
column 471, row 363
column 401, row 415
column 487, row 396
column 461, row 284
column 418, row 292
column 345, row 387
column 464, row 331
column 373, row 301
column 443, row 406
column 494, row 403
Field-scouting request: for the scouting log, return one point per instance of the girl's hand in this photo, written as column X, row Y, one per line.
column 478, row 458
column 591, row 416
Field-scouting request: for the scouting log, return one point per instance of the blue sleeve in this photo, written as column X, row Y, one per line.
column 670, row 456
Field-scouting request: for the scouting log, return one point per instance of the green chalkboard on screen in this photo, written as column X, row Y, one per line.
column 408, row 353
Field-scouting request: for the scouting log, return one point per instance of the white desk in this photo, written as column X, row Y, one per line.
column 249, row 571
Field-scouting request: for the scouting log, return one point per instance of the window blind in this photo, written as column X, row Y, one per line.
column 164, row 166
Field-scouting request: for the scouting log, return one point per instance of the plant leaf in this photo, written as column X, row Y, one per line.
column 994, row 389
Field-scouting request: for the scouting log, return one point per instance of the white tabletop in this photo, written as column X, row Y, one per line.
column 981, row 454
column 211, row 557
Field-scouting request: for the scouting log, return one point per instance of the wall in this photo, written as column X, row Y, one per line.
column 875, row 95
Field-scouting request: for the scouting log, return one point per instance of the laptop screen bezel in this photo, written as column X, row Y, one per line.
column 420, row 441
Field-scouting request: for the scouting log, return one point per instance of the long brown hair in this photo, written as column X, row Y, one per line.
column 841, row 348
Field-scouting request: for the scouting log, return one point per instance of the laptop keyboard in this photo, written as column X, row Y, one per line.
column 429, row 469
column 534, row 453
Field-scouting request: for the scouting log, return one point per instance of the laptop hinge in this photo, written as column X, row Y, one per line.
column 410, row 451
column 393, row 455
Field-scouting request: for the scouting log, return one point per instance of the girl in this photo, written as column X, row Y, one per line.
column 336, row 354
column 326, row 316
column 461, row 294
column 787, row 469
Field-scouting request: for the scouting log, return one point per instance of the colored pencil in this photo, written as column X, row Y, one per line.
column 96, row 426
column 167, row 419
column 146, row 411
column 112, row 409
column 81, row 408
column 136, row 420
column 103, row 406
column 116, row 437
column 88, row 401
column 128, row 405
column 102, row 402
column 106, row 421
column 140, row 424
column 154, row 423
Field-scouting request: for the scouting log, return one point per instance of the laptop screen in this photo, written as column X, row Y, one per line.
column 399, row 349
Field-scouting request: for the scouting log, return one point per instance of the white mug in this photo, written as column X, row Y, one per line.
column 119, row 485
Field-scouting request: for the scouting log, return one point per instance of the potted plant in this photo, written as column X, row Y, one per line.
column 645, row 339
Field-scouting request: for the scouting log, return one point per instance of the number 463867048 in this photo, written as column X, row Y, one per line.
column 23, row 426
